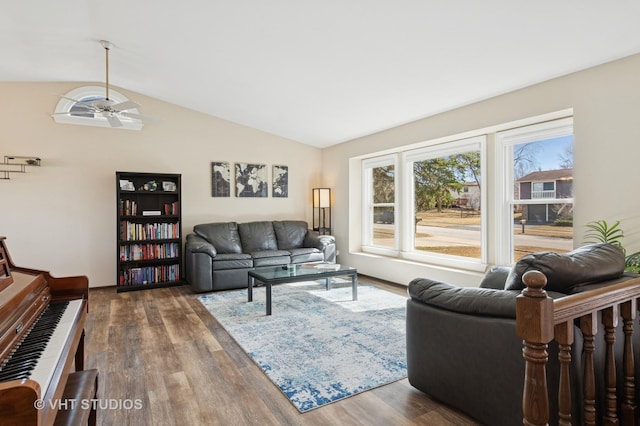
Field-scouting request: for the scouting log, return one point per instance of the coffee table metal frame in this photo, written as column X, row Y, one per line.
column 271, row 275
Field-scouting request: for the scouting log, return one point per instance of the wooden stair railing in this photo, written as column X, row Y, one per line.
column 541, row 319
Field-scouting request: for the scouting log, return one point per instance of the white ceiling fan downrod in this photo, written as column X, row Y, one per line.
column 107, row 46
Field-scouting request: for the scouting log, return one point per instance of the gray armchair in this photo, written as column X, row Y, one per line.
column 462, row 345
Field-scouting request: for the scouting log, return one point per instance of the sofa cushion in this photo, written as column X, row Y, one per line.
column 587, row 264
column 269, row 253
column 257, row 236
column 224, row 236
column 496, row 277
column 290, row 233
column 232, row 261
column 270, row 258
column 306, row 254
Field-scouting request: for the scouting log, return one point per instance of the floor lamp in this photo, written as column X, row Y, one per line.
column 322, row 210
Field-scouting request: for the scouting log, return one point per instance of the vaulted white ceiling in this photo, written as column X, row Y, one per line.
column 319, row 72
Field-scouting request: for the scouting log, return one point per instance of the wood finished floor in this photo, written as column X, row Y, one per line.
column 162, row 348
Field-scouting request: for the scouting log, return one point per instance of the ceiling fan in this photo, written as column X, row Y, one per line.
column 108, row 108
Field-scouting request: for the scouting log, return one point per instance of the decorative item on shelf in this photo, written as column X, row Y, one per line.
column 169, row 186
column 322, row 210
column 152, row 185
column 126, row 185
column 17, row 164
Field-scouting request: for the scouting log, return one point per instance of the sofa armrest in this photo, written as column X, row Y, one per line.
column 198, row 259
column 197, row 244
column 325, row 243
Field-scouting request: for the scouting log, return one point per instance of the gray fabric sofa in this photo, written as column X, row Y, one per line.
column 219, row 255
column 462, row 346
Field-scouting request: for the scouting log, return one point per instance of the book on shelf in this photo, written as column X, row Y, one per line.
column 149, row 251
column 151, row 213
column 130, row 231
column 150, row 275
column 171, row 208
column 128, row 208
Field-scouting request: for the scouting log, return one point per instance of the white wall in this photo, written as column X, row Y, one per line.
column 606, row 105
column 61, row 216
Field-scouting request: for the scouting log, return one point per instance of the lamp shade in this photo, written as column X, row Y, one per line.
column 321, row 197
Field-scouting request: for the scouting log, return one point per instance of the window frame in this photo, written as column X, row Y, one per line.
column 447, row 148
column 368, row 205
column 493, row 194
column 505, row 180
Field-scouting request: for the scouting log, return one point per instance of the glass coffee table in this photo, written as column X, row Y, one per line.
column 271, row 275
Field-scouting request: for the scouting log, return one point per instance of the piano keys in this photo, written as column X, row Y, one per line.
column 42, row 322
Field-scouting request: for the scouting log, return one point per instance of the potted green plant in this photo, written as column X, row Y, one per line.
column 600, row 231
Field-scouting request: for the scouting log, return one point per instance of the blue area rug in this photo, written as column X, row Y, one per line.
column 319, row 346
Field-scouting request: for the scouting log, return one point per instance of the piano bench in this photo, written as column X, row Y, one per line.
column 81, row 386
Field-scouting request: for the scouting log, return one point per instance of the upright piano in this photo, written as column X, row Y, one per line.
column 42, row 321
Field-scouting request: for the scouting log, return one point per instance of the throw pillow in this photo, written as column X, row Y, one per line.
column 590, row 263
column 495, row 278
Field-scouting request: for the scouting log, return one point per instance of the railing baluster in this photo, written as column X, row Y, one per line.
column 628, row 312
column 589, row 327
column 610, row 322
column 564, row 337
column 534, row 324
column 535, row 396
column 540, row 319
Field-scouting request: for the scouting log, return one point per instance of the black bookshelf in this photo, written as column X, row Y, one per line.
column 148, row 234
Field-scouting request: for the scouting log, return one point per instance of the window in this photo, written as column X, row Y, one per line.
column 537, row 191
column 380, row 224
column 447, row 203
column 70, row 112
column 437, row 216
column 428, row 202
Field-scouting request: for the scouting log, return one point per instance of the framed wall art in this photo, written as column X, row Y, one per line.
column 220, row 179
column 251, row 180
column 280, row 181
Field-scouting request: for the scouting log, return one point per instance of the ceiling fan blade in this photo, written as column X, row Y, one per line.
column 83, row 103
column 88, row 114
column 122, row 106
column 141, row 117
column 112, row 119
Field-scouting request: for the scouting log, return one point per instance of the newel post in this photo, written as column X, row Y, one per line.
column 535, row 325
